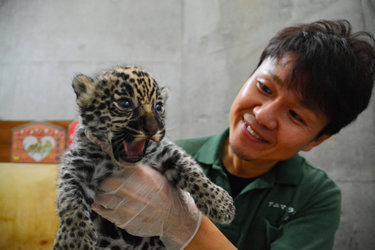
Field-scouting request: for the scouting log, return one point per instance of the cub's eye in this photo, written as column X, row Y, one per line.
column 159, row 107
column 124, row 104
column 264, row 88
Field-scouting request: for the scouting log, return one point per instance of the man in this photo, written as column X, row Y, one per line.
column 311, row 81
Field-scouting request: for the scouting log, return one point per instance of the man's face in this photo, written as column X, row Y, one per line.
column 269, row 122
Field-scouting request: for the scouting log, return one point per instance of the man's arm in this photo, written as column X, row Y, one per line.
column 209, row 236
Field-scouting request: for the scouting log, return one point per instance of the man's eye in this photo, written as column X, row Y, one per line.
column 264, row 88
column 124, row 104
column 296, row 116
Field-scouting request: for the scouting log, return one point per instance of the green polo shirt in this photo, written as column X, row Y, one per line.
column 293, row 206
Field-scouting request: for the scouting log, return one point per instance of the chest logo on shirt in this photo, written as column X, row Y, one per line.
column 289, row 210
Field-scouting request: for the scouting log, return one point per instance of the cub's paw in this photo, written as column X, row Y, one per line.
column 75, row 235
column 213, row 201
column 217, row 204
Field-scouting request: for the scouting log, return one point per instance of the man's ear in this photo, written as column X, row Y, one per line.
column 316, row 142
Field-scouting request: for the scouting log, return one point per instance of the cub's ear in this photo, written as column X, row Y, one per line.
column 164, row 92
column 82, row 85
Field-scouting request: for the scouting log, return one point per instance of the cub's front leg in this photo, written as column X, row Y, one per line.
column 210, row 199
column 78, row 183
column 184, row 172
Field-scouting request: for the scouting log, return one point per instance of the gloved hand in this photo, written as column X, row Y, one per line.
column 142, row 202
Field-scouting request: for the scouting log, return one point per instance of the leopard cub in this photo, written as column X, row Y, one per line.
column 121, row 125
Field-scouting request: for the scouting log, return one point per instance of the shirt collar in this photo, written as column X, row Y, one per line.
column 287, row 172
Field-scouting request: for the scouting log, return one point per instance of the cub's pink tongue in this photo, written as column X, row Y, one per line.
column 134, row 149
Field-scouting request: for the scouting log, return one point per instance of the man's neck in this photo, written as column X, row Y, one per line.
column 244, row 168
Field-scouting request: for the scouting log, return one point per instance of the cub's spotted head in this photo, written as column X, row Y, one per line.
column 123, row 108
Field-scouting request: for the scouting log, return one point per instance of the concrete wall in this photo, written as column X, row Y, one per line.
column 202, row 50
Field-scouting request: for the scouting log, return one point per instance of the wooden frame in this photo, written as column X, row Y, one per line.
column 6, row 128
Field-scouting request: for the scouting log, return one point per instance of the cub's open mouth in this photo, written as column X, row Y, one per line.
column 133, row 152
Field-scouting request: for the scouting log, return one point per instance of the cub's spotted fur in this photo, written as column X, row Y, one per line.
column 122, row 124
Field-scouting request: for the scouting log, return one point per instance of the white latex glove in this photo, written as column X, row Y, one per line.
column 142, row 202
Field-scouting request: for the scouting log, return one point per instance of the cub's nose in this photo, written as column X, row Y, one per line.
column 150, row 125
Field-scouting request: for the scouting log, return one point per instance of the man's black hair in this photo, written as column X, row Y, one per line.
column 333, row 71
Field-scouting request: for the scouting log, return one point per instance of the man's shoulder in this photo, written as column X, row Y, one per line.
column 316, row 178
column 309, row 169
column 305, row 176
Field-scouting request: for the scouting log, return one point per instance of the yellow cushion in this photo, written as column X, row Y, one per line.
column 28, row 218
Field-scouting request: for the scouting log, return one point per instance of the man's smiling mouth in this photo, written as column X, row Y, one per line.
column 252, row 132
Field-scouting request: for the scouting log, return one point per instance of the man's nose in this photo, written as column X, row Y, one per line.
column 266, row 114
